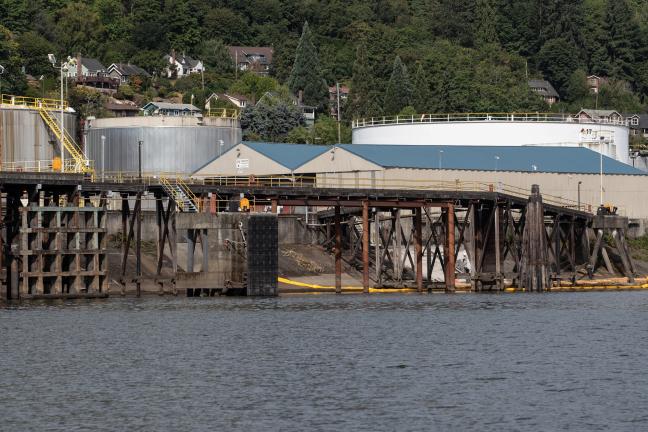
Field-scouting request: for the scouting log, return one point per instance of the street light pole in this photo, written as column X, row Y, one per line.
column 579, row 201
column 62, row 125
column 1, row 72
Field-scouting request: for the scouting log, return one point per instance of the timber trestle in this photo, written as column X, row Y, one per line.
column 54, row 235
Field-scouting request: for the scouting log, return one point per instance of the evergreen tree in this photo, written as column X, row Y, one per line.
column 306, row 75
column 485, row 31
column 399, row 89
column 363, row 100
column 12, row 79
column 421, row 97
column 577, row 89
column 622, row 39
column 558, row 58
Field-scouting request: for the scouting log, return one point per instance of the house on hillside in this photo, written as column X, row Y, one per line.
column 344, row 94
column 123, row 72
column 239, row 101
column 182, row 65
column 594, row 83
column 253, row 59
column 92, row 73
column 121, row 108
column 545, row 90
column 603, row 116
column 638, row 124
column 171, row 109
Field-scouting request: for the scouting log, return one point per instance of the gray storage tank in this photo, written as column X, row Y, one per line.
column 26, row 142
column 170, row 145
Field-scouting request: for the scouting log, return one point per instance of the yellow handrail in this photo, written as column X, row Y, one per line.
column 32, row 103
column 187, row 191
column 228, row 113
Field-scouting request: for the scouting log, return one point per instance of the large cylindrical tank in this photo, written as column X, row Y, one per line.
column 170, row 145
column 496, row 130
column 26, row 142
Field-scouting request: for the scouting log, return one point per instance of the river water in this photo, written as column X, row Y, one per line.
column 547, row 362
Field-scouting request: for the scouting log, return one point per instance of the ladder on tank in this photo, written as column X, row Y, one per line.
column 179, row 191
column 81, row 163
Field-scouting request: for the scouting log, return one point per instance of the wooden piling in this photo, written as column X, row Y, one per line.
column 418, row 234
column 365, row 246
column 338, row 251
column 534, row 265
column 450, row 249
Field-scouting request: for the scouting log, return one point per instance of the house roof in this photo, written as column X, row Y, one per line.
column 241, row 53
column 490, row 158
column 126, row 69
column 545, row 88
column 92, row 64
column 172, row 106
column 289, row 155
column 184, row 60
column 643, row 120
column 594, row 113
column 117, row 105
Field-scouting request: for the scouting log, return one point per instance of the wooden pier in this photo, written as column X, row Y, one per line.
column 54, row 235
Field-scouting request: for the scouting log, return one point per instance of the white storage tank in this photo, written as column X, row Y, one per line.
column 609, row 136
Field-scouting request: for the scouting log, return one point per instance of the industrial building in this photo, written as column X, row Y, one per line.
column 566, row 175
column 592, row 129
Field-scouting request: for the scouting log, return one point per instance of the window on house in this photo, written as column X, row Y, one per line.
column 635, row 121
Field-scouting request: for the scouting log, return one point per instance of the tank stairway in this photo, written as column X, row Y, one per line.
column 179, row 192
column 81, row 163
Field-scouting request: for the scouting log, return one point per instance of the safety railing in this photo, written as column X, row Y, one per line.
column 81, row 163
column 32, row 103
column 482, row 117
column 228, row 113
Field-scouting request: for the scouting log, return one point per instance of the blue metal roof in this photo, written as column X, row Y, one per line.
column 289, row 155
column 490, row 158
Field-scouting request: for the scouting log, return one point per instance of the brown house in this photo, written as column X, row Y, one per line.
column 254, row 59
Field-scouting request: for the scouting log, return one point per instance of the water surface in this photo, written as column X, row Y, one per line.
column 563, row 361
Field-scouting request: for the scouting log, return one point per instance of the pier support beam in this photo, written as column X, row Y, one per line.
column 450, row 249
column 418, row 240
column 365, row 246
column 338, row 251
column 534, row 264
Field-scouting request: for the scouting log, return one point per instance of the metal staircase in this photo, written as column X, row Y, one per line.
column 80, row 164
column 180, row 192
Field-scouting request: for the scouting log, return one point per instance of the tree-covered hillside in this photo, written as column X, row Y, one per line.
column 432, row 55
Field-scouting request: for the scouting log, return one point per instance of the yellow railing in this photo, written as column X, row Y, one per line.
column 32, row 103
column 479, row 117
column 179, row 192
column 228, row 113
column 187, row 191
column 81, row 163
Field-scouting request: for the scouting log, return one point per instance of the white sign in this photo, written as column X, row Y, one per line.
column 242, row 163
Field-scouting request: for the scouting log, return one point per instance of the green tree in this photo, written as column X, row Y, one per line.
column 215, row 56
column 253, row 86
column 622, row 39
column 558, row 58
column 399, row 89
column 34, row 49
column 363, row 97
column 306, row 76
column 79, row 29
column 12, row 80
column 421, row 95
column 486, row 18
column 270, row 122
column 576, row 88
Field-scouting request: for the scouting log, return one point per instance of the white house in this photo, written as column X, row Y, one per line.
column 183, row 65
column 237, row 100
column 85, row 67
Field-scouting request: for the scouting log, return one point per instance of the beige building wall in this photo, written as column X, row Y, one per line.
column 337, row 159
column 627, row 192
column 241, row 161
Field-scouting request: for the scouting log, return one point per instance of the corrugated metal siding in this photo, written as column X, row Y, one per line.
column 24, row 136
column 164, row 149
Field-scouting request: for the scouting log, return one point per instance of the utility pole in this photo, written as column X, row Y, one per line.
column 337, row 87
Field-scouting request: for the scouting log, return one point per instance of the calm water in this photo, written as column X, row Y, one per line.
column 328, row 363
